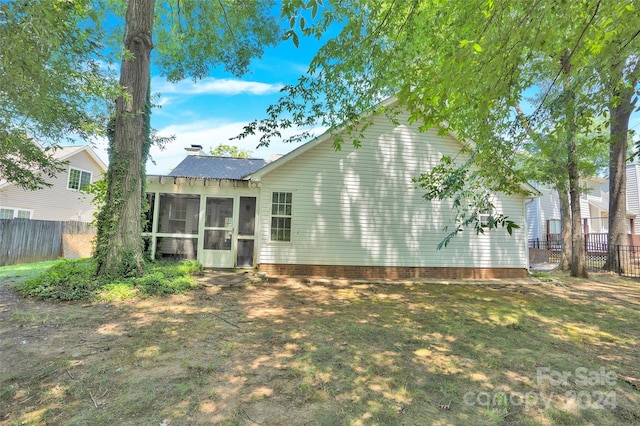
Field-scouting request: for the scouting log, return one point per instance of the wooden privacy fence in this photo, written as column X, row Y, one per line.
column 26, row 240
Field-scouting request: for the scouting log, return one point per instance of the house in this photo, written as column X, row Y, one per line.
column 543, row 213
column 62, row 201
column 317, row 211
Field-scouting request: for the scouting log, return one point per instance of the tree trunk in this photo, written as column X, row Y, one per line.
column 119, row 242
column 620, row 109
column 578, row 261
column 565, row 217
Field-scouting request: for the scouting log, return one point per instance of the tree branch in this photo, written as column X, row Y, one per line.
column 568, row 57
column 226, row 19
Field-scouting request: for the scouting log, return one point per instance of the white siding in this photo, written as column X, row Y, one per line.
column 633, row 193
column 585, row 210
column 56, row 202
column 359, row 207
column 534, row 230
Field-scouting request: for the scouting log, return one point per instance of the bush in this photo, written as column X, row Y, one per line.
column 65, row 280
column 77, row 280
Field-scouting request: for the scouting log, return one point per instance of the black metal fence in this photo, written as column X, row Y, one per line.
column 624, row 261
column 628, row 264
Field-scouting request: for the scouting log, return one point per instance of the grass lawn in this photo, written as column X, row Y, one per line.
column 14, row 273
column 550, row 351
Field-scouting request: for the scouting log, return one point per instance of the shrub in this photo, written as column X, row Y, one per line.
column 76, row 280
column 166, row 279
column 65, row 280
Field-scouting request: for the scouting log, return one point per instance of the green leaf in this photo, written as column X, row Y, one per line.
column 477, row 47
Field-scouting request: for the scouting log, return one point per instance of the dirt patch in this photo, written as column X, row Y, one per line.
column 317, row 351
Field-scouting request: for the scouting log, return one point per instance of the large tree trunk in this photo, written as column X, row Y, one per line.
column 565, row 229
column 578, row 261
column 620, row 109
column 119, row 242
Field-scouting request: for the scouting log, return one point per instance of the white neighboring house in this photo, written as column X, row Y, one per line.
column 633, row 194
column 318, row 211
column 62, row 201
column 543, row 213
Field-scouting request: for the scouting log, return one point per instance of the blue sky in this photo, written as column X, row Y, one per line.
column 210, row 111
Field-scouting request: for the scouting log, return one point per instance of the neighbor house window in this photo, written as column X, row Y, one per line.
column 11, row 213
column 555, row 226
column 78, row 179
column 281, row 216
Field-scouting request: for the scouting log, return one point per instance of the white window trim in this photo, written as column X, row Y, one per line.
column 17, row 209
column 290, row 217
column 81, row 171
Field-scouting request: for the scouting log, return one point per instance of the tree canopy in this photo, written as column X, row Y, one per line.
column 225, row 150
column 458, row 64
column 52, row 84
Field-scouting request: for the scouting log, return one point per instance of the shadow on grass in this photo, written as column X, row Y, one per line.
column 295, row 352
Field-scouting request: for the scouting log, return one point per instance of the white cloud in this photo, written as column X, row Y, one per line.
column 213, row 86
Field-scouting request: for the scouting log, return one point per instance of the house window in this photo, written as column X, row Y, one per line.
column 281, row 216
column 484, row 219
column 78, row 179
column 6, row 213
column 11, row 213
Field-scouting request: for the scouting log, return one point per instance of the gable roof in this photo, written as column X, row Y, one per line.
column 207, row 166
column 258, row 174
column 65, row 152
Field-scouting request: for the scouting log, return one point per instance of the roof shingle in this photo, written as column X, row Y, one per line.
column 206, row 166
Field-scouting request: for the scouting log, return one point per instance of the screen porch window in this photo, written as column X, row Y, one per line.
column 178, row 214
column 281, row 216
column 78, row 179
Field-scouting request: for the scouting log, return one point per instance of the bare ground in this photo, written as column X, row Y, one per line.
column 315, row 351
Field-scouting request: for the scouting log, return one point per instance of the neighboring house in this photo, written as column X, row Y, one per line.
column 62, row 201
column 633, row 194
column 543, row 213
column 318, row 211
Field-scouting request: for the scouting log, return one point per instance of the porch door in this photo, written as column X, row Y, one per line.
column 246, row 232
column 217, row 250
